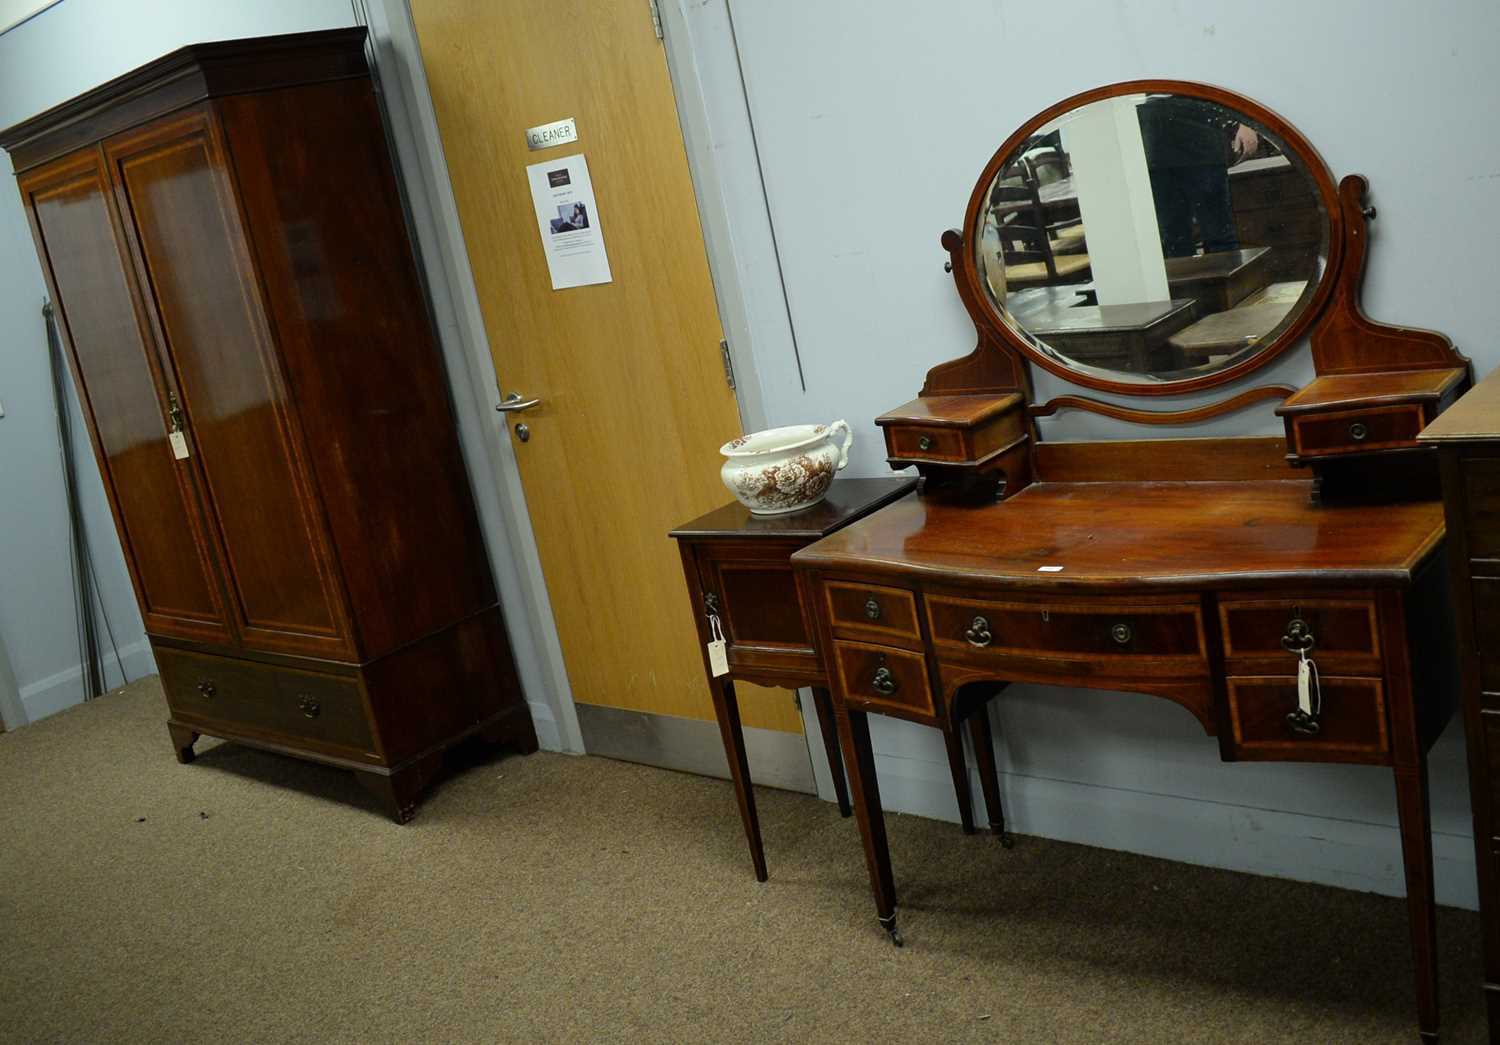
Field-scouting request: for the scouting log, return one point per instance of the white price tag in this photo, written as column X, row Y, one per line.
column 179, row 445
column 718, row 654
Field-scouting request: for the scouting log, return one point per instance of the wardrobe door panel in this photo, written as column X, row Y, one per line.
column 172, row 183
column 153, row 496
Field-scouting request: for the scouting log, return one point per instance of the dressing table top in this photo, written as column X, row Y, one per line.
column 1141, row 534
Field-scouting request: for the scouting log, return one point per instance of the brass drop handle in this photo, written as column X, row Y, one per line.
column 1122, row 634
column 1357, row 431
column 310, row 707
column 872, row 608
column 206, row 688
column 174, row 413
column 1302, row 723
column 884, row 682
column 978, row 632
column 1298, row 637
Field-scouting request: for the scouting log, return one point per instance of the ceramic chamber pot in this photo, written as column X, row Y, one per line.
column 785, row 469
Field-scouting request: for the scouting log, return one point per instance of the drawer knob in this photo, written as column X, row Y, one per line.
column 1298, row 637
column 924, row 443
column 1358, row 431
column 884, row 682
column 310, row 707
column 872, row 608
column 978, row 633
column 1122, row 634
column 207, row 689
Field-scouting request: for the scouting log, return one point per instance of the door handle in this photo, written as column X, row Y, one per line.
column 513, row 403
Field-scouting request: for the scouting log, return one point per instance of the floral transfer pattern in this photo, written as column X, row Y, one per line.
column 787, row 485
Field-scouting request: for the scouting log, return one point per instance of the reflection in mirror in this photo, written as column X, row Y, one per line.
column 1152, row 237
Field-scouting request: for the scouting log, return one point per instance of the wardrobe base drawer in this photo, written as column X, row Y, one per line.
column 296, row 707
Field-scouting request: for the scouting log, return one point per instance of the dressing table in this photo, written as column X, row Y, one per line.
column 1288, row 593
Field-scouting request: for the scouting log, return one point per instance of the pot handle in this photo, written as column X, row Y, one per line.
column 833, row 431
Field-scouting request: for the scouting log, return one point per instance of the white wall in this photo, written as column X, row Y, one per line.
column 61, row 52
column 872, row 122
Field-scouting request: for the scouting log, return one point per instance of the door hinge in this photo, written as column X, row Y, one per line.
column 728, row 363
column 655, row 18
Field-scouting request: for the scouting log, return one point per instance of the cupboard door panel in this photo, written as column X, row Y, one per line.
column 172, row 183
column 153, row 496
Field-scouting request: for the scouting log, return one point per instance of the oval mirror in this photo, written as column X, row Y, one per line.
column 1155, row 237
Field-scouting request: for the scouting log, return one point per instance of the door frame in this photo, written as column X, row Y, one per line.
column 12, row 711
column 488, row 450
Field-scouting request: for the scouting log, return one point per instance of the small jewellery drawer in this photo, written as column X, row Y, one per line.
column 930, row 443
column 882, row 678
column 1350, row 431
column 1350, row 724
column 264, row 699
column 874, row 612
column 1052, row 628
column 1262, row 636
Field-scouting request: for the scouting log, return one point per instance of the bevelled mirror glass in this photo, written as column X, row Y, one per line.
column 1153, row 238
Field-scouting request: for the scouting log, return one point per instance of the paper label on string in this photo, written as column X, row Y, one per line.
column 718, row 655
column 179, row 445
column 718, row 658
column 1304, row 688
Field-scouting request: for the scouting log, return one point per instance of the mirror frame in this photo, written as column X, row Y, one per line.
column 989, row 317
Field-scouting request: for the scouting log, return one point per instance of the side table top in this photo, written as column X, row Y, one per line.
column 847, row 500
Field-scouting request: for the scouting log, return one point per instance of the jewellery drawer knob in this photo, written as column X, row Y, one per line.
column 1122, row 634
column 978, row 632
column 310, row 707
column 872, row 608
column 924, row 443
column 1298, row 637
column 207, row 689
column 884, row 682
column 1358, row 431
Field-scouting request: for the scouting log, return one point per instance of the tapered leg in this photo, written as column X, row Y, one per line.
column 396, row 791
column 183, row 740
column 727, row 708
column 830, row 731
column 854, row 735
column 953, row 738
column 989, row 774
column 1416, row 853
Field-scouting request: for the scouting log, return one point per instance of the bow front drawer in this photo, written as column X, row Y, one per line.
column 1349, row 726
column 874, row 612
column 1083, row 628
column 232, row 696
column 1262, row 636
column 883, row 679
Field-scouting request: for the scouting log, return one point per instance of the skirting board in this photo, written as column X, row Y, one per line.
column 1347, row 854
column 48, row 696
column 694, row 746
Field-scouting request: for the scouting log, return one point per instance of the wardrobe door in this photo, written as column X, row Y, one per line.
column 178, row 206
column 152, row 494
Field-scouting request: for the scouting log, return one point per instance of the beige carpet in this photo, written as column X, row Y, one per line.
column 252, row 898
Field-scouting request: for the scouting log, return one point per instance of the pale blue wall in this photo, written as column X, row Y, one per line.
column 873, row 121
column 64, row 51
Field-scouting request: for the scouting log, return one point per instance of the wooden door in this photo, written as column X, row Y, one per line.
column 635, row 405
column 182, row 219
column 120, row 384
